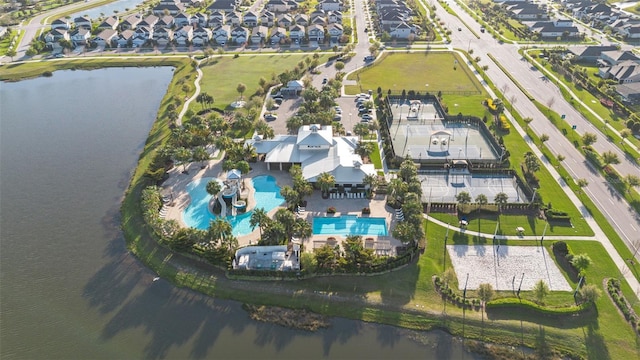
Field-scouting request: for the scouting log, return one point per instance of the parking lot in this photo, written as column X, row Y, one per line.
column 290, row 106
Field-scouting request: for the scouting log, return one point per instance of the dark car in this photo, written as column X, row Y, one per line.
column 270, row 117
column 324, row 81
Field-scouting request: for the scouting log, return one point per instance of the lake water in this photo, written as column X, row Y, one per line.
column 107, row 10
column 70, row 290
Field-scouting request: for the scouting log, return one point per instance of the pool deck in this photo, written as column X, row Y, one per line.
column 316, row 205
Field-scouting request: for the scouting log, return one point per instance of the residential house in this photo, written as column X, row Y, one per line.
column 402, row 31
column 61, row 23
column 192, row 3
column 630, row 31
column 590, row 54
column 615, row 57
column 278, row 35
column 297, row 33
column 334, row 17
column 629, row 92
column 83, row 22
column 267, row 18
column 150, row 22
column 182, row 19
column 224, row 5
column 79, row 36
column 316, row 33
column 561, row 22
column 335, row 31
column 172, row 9
column 330, row 5
column 163, row 36
column 124, row 38
column 239, row 35
column 259, row 34
column 318, row 18
column 105, row 38
column 221, row 34
column 109, row 23
column 281, row 6
column 142, row 35
column 234, row 18
column 285, row 20
column 301, row 19
column 201, row 36
column 183, row 35
column 130, row 22
column 548, row 29
column 250, row 19
column 317, row 151
column 199, row 20
column 627, row 71
column 56, row 35
column 166, row 22
column 217, row 18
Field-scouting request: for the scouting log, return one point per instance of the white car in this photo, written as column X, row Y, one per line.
column 367, row 117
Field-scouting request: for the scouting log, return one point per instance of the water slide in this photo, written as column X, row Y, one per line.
column 223, row 205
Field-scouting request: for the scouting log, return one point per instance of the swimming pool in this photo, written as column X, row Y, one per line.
column 350, row 225
column 197, row 214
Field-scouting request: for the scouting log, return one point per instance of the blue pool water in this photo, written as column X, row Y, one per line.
column 197, row 214
column 349, row 225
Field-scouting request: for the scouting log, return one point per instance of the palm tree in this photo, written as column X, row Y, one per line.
column 250, row 152
column 501, row 199
column 183, row 155
column 361, row 129
column 213, row 187
column 589, row 138
column 527, row 121
column 481, row 199
column 218, row 229
column 463, row 198
column 364, row 149
column 200, row 154
column 631, row 181
column 609, row 157
column 325, row 182
column 582, row 183
column 531, row 161
column 259, row 218
column 370, row 181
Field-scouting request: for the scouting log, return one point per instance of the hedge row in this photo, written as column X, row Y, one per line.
column 613, row 287
column 556, row 215
column 530, row 305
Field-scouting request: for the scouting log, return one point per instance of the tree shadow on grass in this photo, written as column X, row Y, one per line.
column 594, row 342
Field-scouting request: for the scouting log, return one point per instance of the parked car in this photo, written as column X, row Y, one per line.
column 369, row 58
column 270, row 117
column 337, row 117
column 324, row 81
column 367, row 117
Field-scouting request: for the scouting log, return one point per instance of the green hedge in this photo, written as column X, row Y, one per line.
column 556, row 215
column 505, row 303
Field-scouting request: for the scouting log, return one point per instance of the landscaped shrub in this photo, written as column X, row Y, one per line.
column 491, row 105
column 556, row 215
column 504, row 123
column 613, row 288
column 529, row 305
column 366, row 211
column 331, row 210
column 561, row 248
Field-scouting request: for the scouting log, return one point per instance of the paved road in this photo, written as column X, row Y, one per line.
column 618, row 212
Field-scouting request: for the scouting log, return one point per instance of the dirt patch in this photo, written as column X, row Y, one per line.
column 291, row 318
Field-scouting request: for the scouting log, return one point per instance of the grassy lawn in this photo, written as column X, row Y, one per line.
column 509, row 223
column 221, row 75
column 6, row 41
column 14, row 72
column 429, row 72
column 375, row 157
